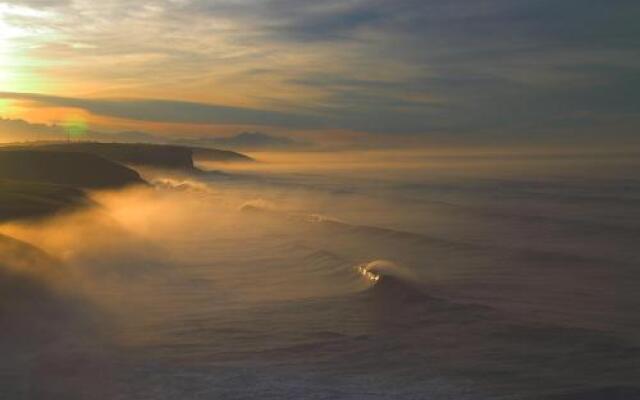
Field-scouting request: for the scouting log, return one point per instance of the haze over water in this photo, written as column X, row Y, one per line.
column 514, row 281
column 444, row 200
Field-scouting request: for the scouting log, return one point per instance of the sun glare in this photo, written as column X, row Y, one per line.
column 4, row 107
column 75, row 125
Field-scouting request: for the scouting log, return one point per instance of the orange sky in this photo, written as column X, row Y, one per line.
column 362, row 73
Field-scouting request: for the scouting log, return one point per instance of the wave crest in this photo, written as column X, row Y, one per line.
column 391, row 281
column 180, row 185
column 377, row 270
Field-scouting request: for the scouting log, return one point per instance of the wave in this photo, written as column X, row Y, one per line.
column 392, row 282
column 180, row 185
column 258, row 205
column 261, row 206
column 420, row 239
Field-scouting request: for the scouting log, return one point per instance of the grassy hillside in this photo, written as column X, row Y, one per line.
column 25, row 199
column 74, row 169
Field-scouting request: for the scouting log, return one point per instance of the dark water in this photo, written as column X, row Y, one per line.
column 495, row 282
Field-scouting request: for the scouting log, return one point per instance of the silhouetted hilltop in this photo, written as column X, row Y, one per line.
column 142, row 154
column 27, row 199
column 154, row 155
column 207, row 154
column 39, row 179
column 81, row 170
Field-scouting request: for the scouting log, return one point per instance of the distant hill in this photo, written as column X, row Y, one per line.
column 206, row 154
column 81, row 170
column 39, row 179
column 142, row 154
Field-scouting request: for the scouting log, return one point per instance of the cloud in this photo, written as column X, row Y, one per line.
column 22, row 131
column 19, row 130
column 365, row 113
column 469, row 70
column 249, row 141
column 172, row 111
column 16, row 130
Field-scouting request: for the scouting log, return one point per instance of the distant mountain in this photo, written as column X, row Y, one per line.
column 16, row 130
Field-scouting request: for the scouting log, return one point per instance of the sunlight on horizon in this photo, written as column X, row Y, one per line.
column 332, row 199
column 18, row 70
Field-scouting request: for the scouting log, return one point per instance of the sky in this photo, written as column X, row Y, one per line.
column 355, row 73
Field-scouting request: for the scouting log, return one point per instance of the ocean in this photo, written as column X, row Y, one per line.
column 344, row 276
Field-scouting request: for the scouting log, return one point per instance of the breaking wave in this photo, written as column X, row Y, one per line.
column 392, row 281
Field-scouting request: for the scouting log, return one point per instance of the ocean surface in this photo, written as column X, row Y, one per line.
column 343, row 277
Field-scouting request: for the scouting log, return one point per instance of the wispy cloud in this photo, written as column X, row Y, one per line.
column 488, row 68
column 171, row 111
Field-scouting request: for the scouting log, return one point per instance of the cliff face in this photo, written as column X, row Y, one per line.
column 74, row 169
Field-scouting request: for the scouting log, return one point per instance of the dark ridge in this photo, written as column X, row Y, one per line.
column 216, row 155
column 153, row 155
column 33, row 200
column 142, row 154
column 81, row 170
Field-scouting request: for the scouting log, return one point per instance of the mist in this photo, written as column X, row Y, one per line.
column 296, row 269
